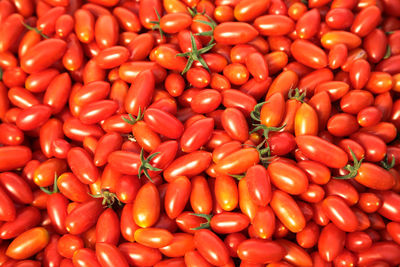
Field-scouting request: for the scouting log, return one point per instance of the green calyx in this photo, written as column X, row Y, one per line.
column 156, row 25
column 388, row 52
column 203, row 225
column 352, row 169
column 295, row 94
column 35, row 30
column 108, row 198
column 1, row 74
column 195, row 55
column 132, row 120
column 145, row 165
column 55, row 188
column 256, row 112
column 386, row 164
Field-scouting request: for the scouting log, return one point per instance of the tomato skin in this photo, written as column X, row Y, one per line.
column 307, row 25
column 306, row 121
column 97, row 111
column 85, row 257
column 146, row 207
column 43, row 55
column 8, row 38
column 316, row 148
column 390, row 208
column 252, row 250
column 342, row 124
column 26, row 219
column 108, row 220
column 196, row 135
column 108, row 255
column 235, row 124
column 57, row 211
column 16, row 187
column 137, row 254
column 83, row 217
column 28, row 243
column 199, row 161
column 72, row 188
column 375, row 177
column 234, row 33
column 140, row 93
column 193, row 258
column 226, row 192
column 273, row 111
column 14, row 157
column 287, row 177
column 259, row 185
column 366, row 20
column 331, row 242
column 211, row 247
column 339, row 213
column 238, row 162
column 387, row 251
column 375, row 147
column 270, row 25
column 176, row 197
column 287, row 210
column 107, row 144
column 82, row 165
column 295, row 254
column 249, row 10
column 163, row 123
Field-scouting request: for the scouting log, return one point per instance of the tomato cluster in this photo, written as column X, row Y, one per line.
column 199, row 133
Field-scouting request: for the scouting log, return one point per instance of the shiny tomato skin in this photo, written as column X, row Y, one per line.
column 16, row 187
column 97, row 111
column 288, row 177
column 211, row 247
column 390, row 208
column 112, row 57
column 366, row 20
column 72, row 188
column 316, row 148
column 238, row 162
column 342, row 124
column 375, row 148
column 232, row 33
column 387, row 251
column 295, row 254
column 108, row 220
column 188, row 165
column 264, row 222
column 146, row 208
column 140, row 93
column 82, row 165
column 28, row 243
column 340, row 214
column 307, row 24
column 287, row 210
column 375, row 177
column 85, row 257
column 252, row 250
column 43, row 55
column 234, row 123
column 306, row 121
column 108, row 255
column 273, row 111
column 249, row 10
column 138, row 254
column 153, row 237
column 226, row 192
column 197, row 135
column 331, row 242
column 176, row 197
column 57, row 211
column 83, row 217
column 229, row 222
column 26, row 219
column 270, row 25
column 163, row 123
column 309, row 54
column 259, row 185
column 14, row 157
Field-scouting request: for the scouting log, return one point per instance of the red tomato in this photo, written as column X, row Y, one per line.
column 259, row 185
column 14, row 157
column 252, row 250
column 331, row 242
column 109, row 255
column 288, row 177
column 274, row 25
column 196, row 135
column 146, row 208
column 82, row 165
column 234, row 33
column 83, row 217
column 28, row 243
column 339, row 213
column 211, row 247
column 176, row 197
column 309, row 54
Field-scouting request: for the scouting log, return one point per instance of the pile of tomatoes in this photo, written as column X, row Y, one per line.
column 199, row 133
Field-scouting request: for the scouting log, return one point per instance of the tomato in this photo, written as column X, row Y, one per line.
column 259, row 185
column 14, row 157
column 83, row 217
column 226, row 192
column 386, row 251
column 253, row 250
column 146, row 208
column 390, row 208
column 26, row 219
column 8, row 37
column 366, row 21
column 316, row 148
column 331, row 242
column 234, row 33
column 273, row 110
column 339, row 213
column 306, row 121
column 28, row 243
column 375, row 177
column 82, row 165
column 197, row 135
column 236, row 73
column 287, row 210
column 72, row 188
column 193, row 258
column 307, row 24
column 199, row 161
column 264, row 222
column 163, row 123
column 375, row 148
column 238, row 162
column 287, row 177
column 176, row 197
column 109, row 255
column 274, row 25
column 249, row 10
column 235, row 124
column 211, row 247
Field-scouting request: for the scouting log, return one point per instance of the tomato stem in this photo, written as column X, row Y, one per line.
column 55, row 187
column 386, row 164
column 156, row 25
column 203, row 225
column 35, row 29
column 352, row 169
column 255, row 113
column 297, row 96
column 237, row 176
column 388, row 52
column 195, row 55
column 145, row 165
column 132, row 119
column 108, row 198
